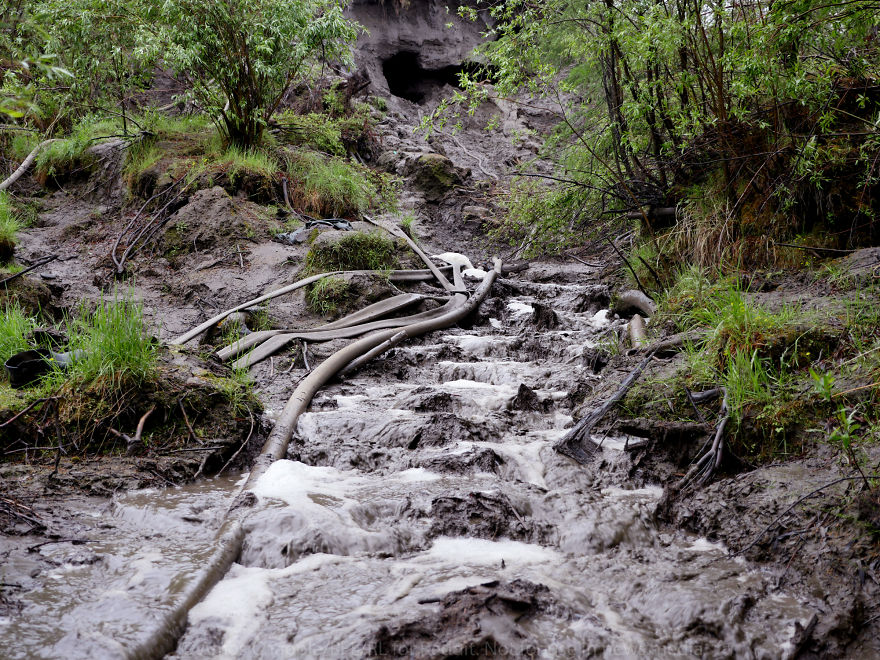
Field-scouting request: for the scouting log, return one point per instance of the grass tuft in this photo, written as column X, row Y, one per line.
column 248, row 161
column 14, row 326
column 325, row 296
column 114, row 343
column 9, row 226
column 331, row 186
column 354, row 251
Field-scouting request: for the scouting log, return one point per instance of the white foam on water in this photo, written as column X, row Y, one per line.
column 483, row 552
column 301, row 486
column 235, row 605
column 495, row 323
column 417, row 474
column 484, row 396
column 350, row 401
column 648, row 492
column 705, row 545
column 526, row 456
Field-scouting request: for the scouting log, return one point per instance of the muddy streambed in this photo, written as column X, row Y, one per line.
column 421, row 512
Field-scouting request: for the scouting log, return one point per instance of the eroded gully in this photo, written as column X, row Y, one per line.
column 422, row 512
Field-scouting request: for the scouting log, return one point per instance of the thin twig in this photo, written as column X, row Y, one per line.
column 30, row 407
column 243, row 445
column 192, row 434
column 628, row 265
column 41, row 262
column 793, row 505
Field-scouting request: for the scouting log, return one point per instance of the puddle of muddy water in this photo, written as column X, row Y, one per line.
column 97, row 599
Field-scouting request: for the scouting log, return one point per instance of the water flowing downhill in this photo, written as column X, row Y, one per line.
column 422, row 512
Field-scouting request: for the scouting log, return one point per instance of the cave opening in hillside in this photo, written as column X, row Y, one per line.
column 409, row 80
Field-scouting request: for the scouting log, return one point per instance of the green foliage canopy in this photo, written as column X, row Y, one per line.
column 760, row 105
column 241, row 56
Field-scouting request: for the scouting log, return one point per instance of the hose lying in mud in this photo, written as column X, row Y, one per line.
column 396, row 231
column 230, row 537
column 393, row 276
column 365, row 315
column 279, row 341
column 276, row 444
column 26, row 163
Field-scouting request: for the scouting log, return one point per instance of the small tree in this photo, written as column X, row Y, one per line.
column 240, row 57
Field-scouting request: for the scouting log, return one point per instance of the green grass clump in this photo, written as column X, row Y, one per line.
column 114, row 343
column 354, row 251
column 331, row 186
column 734, row 322
column 14, row 325
column 9, row 226
column 248, row 161
column 327, row 294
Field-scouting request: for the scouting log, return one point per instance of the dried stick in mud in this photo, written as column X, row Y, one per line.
column 26, row 163
column 34, row 266
column 230, row 537
column 136, row 438
column 576, row 444
column 706, row 464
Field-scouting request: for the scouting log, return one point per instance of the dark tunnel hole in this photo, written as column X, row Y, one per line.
column 407, row 79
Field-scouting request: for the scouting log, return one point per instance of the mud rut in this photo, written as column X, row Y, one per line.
column 422, row 511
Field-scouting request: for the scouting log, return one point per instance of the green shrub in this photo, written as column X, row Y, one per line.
column 314, row 130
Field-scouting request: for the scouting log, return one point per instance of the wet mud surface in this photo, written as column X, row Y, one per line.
column 421, row 510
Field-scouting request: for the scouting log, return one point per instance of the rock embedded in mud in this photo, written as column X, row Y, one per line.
column 434, row 175
column 482, row 621
column 485, row 515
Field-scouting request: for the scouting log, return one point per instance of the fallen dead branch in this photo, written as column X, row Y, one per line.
column 576, row 444
column 26, row 163
column 675, row 342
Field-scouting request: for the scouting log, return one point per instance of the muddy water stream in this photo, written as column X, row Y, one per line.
column 422, row 512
